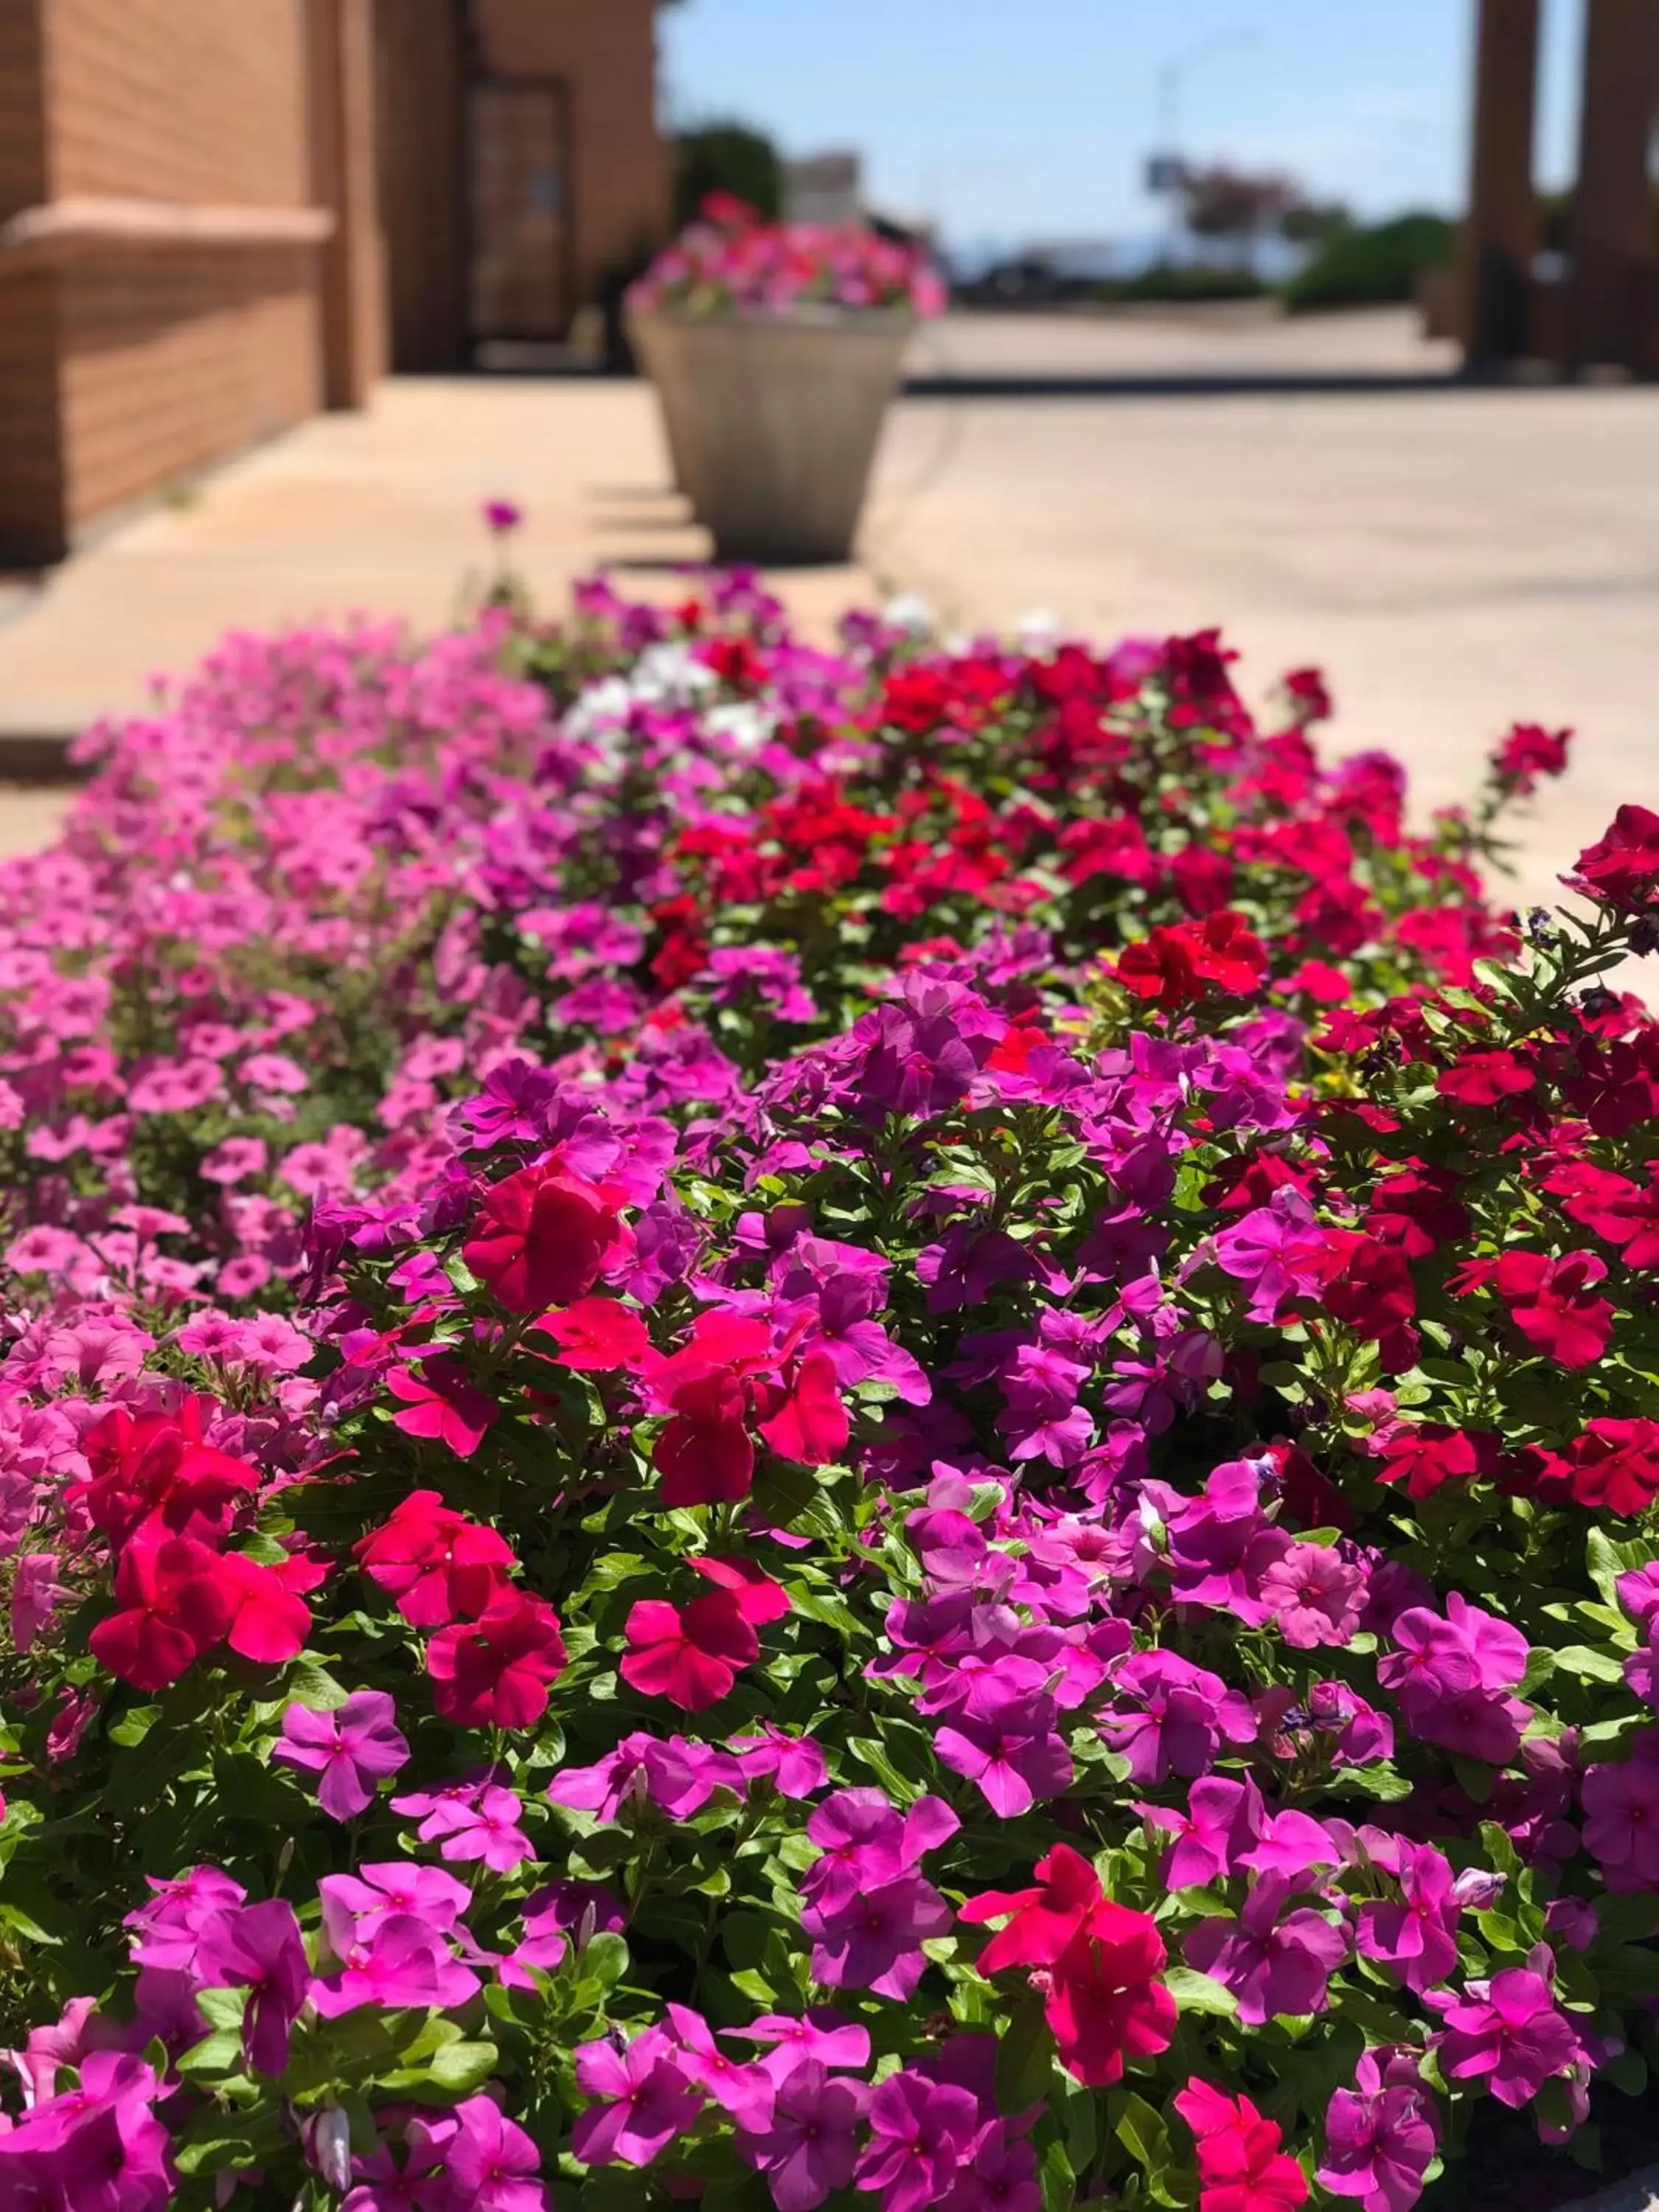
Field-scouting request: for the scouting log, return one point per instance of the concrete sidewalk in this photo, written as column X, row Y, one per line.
column 1455, row 558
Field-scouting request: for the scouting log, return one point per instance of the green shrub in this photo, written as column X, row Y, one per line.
column 1371, row 265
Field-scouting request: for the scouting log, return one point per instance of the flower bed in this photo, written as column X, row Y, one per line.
column 786, row 1428
column 730, row 261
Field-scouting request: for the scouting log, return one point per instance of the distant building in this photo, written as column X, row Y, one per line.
column 824, row 188
column 219, row 216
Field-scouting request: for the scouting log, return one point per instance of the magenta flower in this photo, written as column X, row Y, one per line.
column 809, row 2146
column 490, row 2163
column 501, row 516
column 745, row 2091
column 257, row 1947
column 1274, row 1962
column 351, row 1748
column 1222, row 1818
column 355, row 1904
column 873, row 1941
column 1508, row 2033
column 487, row 1829
column 1379, row 2140
column 646, row 2099
column 920, row 2132
column 94, row 2148
column 678, row 1777
column 403, row 1962
column 1008, row 1746
column 1418, row 1937
column 820, row 2035
column 1621, row 1820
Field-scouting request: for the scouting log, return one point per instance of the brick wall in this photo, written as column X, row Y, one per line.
column 180, row 100
column 173, row 360
column 174, row 357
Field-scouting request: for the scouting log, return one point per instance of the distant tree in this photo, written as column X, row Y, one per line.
column 1230, row 203
column 726, row 156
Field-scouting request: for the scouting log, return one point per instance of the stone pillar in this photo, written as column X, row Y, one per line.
column 1614, row 253
column 344, row 180
column 1502, row 232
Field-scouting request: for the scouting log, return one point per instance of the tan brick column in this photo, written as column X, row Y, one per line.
column 1614, row 280
column 1501, row 231
column 343, row 65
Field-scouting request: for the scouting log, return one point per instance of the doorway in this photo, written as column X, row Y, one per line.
column 519, row 284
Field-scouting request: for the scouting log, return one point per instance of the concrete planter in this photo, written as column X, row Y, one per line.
column 774, row 421
column 645, row 335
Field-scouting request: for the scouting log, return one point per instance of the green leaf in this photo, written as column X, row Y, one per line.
column 1589, row 1666
column 1475, row 1777
column 1059, row 2182
column 1143, row 2134
column 1025, row 2056
column 1196, row 1992
column 133, row 1727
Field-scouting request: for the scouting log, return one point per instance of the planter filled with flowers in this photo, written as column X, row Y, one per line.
column 775, row 348
column 786, row 1429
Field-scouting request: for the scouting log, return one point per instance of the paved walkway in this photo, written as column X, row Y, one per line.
column 1455, row 558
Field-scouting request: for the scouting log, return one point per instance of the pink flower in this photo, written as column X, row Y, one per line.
column 646, row 2099
column 404, row 1962
column 487, row 1829
column 351, row 1748
column 1508, row 2033
column 1274, row 1961
column 1316, row 1596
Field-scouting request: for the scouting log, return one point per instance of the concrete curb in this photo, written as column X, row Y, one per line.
column 1635, row 2194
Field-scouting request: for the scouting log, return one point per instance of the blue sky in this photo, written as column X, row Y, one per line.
column 1012, row 118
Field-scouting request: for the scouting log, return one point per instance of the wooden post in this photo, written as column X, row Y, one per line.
column 1613, row 251
column 354, row 310
column 1502, row 232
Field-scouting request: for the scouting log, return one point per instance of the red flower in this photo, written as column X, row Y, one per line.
column 145, row 1463
column 494, row 1671
column 596, row 1335
column 1370, row 1290
column 1172, row 965
column 438, row 1565
column 1424, row 1455
column 176, row 1601
column 270, row 1622
column 691, row 1657
column 542, row 1237
column 1621, row 869
column 1099, row 1963
column 1417, row 1211
column 1485, row 1078
column 1241, row 2167
column 730, row 1371
column 809, row 1425
column 441, row 1403
column 759, row 1599
column 1528, row 752
column 1613, row 1465
column 705, row 1456
column 1548, row 1302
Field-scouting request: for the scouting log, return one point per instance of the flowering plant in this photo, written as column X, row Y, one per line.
column 786, row 1427
column 731, row 261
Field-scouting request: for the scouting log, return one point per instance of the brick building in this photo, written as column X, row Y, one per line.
column 217, row 217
